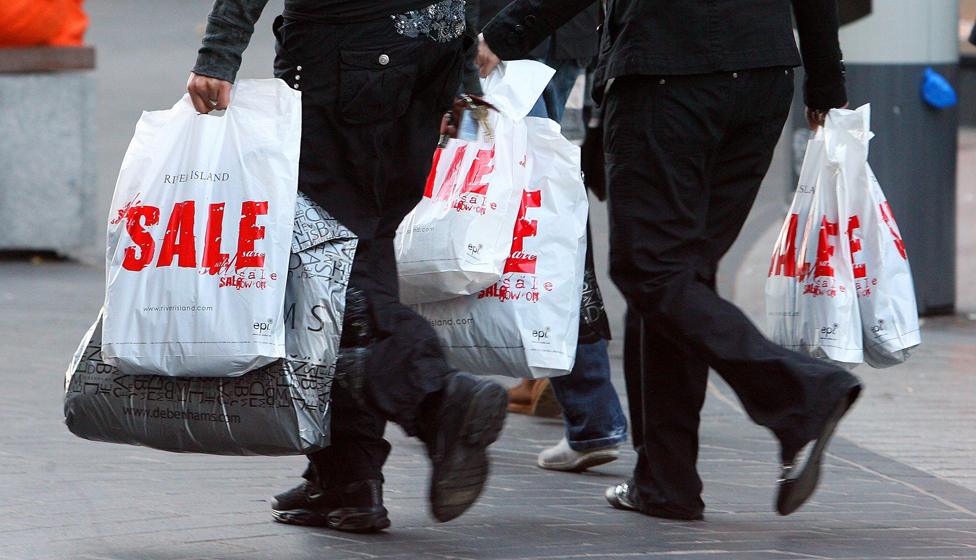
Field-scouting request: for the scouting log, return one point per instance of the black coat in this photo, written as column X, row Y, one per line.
column 674, row 37
column 577, row 39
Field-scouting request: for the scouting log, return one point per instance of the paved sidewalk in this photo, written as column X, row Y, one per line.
column 65, row 498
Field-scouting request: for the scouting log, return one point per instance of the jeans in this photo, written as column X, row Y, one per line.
column 552, row 103
column 557, row 91
column 591, row 408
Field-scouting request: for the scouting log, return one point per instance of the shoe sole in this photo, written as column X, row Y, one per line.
column 353, row 522
column 346, row 522
column 466, row 465
column 588, row 461
column 794, row 492
column 303, row 517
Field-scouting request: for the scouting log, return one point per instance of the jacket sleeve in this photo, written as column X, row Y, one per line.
column 470, row 83
column 817, row 25
column 523, row 24
column 229, row 29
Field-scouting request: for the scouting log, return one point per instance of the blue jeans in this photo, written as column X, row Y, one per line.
column 552, row 102
column 591, row 408
column 557, row 92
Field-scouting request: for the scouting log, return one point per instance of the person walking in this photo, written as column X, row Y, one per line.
column 375, row 78
column 695, row 96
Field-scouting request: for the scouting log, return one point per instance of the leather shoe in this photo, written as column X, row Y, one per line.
column 624, row 496
column 797, row 483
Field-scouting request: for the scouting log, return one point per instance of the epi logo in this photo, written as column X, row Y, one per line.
column 541, row 334
column 261, row 327
column 879, row 328
column 474, row 249
column 829, row 331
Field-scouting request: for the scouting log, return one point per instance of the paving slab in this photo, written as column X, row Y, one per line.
column 63, row 497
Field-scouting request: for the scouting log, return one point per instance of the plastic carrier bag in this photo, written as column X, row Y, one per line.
column 527, row 323
column 883, row 278
column 279, row 409
column 811, row 301
column 199, row 235
column 456, row 240
column 839, row 284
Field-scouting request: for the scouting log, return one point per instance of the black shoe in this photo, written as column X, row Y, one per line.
column 624, row 496
column 355, row 508
column 470, row 418
column 797, row 484
column 621, row 496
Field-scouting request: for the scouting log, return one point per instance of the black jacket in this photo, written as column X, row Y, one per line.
column 231, row 24
column 577, row 39
column 668, row 37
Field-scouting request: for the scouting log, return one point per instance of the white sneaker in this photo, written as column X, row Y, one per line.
column 562, row 457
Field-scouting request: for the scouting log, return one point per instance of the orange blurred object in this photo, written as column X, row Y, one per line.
column 25, row 23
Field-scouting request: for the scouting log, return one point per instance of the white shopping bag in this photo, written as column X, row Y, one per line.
column 280, row 409
column 456, row 240
column 885, row 290
column 526, row 324
column 811, row 300
column 199, row 237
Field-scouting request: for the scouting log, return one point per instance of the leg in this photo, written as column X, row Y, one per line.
column 666, row 475
column 632, row 377
column 594, row 418
column 664, row 424
column 365, row 152
column 660, row 166
column 595, row 422
column 405, row 364
column 357, row 450
column 659, row 219
column 671, row 480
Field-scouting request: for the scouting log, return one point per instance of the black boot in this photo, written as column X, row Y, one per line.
column 464, row 419
column 356, row 507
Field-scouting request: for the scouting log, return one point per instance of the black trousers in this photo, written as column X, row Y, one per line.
column 685, row 159
column 372, row 102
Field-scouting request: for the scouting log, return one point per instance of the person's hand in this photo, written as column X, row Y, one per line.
column 817, row 117
column 486, row 60
column 208, row 94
